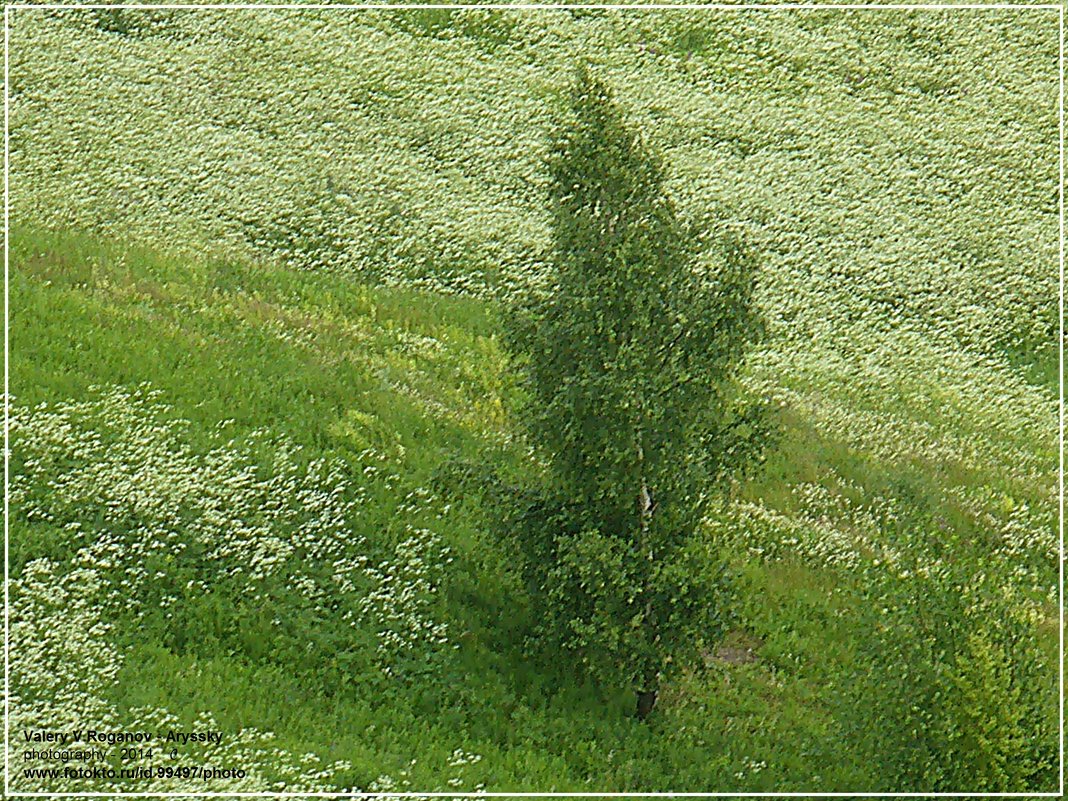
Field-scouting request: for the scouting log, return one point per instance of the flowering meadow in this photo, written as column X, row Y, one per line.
column 258, row 265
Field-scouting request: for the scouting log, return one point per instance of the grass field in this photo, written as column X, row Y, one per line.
column 258, row 264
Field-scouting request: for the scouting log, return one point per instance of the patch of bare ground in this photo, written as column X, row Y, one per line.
column 738, row 647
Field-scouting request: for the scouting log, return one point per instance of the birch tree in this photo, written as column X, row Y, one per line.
column 629, row 361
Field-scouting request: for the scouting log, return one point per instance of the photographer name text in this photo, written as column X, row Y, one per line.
column 92, row 736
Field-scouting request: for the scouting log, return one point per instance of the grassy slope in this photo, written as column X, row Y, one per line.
column 896, row 171
column 891, row 166
column 337, row 365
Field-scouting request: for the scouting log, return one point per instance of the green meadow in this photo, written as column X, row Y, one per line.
column 258, row 267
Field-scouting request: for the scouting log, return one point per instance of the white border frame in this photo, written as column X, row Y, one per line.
column 740, row 6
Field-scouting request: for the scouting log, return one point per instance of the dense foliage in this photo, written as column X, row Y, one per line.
column 344, row 198
column 963, row 683
column 629, row 357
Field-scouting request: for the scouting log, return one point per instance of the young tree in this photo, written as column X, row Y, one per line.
column 628, row 360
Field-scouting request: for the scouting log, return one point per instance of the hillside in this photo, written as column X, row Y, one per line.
column 257, row 269
column 274, row 381
column 854, row 147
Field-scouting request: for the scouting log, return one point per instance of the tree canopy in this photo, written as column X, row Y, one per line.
column 628, row 360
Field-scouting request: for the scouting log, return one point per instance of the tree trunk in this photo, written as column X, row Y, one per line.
column 646, row 507
column 646, row 702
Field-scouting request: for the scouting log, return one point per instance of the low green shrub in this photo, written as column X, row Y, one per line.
column 953, row 688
